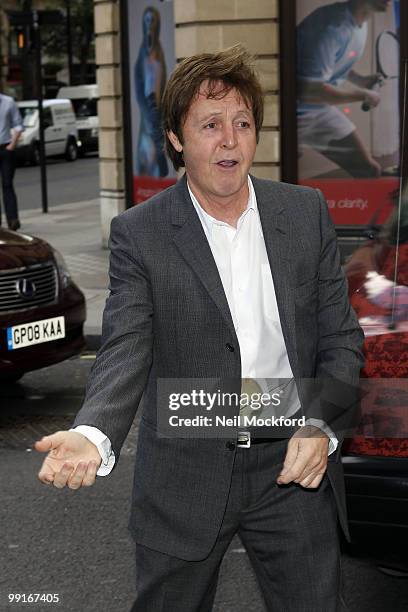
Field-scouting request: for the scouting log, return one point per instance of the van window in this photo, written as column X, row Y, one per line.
column 85, row 107
column 47, row 117
column 29, row 115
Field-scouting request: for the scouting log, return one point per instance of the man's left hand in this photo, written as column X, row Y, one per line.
column 306, row 458
column 10, row 147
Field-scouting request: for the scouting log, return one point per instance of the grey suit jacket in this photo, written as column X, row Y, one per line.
column 167, row 317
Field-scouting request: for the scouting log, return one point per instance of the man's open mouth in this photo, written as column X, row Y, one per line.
column 227, row 163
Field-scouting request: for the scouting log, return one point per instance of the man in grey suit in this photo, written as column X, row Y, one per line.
column 229, row 278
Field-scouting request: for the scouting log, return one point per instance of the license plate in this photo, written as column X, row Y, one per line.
column 38, row 332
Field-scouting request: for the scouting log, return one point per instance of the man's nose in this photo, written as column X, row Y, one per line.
column 229, row 137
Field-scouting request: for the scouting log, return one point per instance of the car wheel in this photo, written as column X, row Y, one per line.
column 35, row 157
column 71, row 152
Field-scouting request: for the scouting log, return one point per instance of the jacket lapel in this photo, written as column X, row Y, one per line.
column 278, row 235
column 192, row 243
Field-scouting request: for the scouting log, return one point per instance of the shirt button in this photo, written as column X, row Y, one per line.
column 229, row 347
column 230, row 445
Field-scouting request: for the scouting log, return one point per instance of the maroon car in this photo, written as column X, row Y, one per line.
column 42, row 311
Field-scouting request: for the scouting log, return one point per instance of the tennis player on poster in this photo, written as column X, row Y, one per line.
column 330, row 41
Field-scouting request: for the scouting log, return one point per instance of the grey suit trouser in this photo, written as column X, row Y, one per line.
column 290, row 534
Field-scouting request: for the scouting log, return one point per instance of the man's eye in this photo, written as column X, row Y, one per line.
column 210, row 125
column 243, row 124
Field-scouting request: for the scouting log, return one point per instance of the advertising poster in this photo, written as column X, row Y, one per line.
column 348, row 107
column 151, row 60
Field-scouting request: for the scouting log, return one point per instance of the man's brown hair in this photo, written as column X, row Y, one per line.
column 233, row 67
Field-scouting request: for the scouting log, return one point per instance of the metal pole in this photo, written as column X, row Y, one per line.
column 69, row 43
column 1, row 52
column 43, row 169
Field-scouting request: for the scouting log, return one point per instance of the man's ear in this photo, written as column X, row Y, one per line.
column 174, row 141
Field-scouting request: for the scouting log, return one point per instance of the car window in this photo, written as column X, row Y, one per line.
column 394, row 265
column 29, row 115
column 377, row 274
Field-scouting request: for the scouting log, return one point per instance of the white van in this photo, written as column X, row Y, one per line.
column 84, row 99
column 60, row 131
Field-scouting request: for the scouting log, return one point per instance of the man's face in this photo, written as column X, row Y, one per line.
column 219, row 145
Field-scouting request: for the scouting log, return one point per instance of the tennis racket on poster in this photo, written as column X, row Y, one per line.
column 387, row 57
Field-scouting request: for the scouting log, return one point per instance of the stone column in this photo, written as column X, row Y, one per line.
column 111, row 164
column 212, row 25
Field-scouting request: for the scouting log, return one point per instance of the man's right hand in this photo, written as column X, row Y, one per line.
column 72, row 460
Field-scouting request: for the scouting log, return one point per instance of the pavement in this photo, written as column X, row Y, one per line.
column 74, row 230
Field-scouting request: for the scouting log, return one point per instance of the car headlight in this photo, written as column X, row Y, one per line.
column 65, row 276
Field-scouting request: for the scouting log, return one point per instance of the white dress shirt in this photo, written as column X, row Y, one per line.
column 242, row 262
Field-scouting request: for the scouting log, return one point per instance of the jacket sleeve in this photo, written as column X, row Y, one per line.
column 334, row 393
column 16, row 119
column 341, row 337
column 119, row 374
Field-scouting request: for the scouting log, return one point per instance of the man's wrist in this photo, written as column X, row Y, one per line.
column 319, row 424
column 102, row 443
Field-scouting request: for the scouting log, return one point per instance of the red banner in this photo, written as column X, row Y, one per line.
column 144, row 187
column 358, row 201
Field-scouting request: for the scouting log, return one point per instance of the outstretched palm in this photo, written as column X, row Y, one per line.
column 72, row 460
